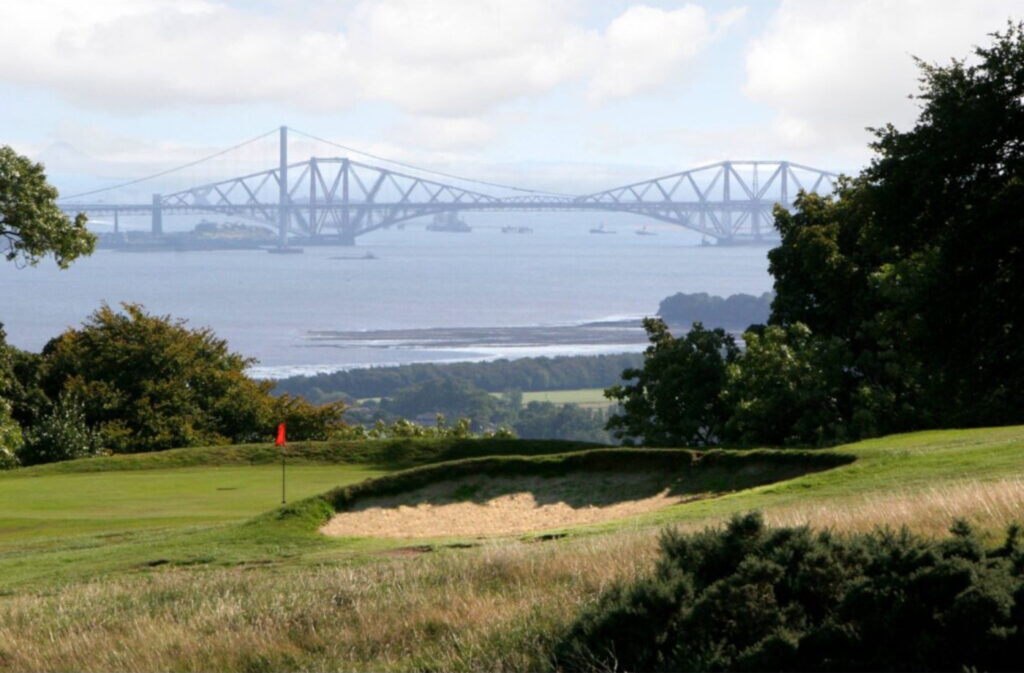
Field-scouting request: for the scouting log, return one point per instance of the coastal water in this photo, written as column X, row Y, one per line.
column 306, row 312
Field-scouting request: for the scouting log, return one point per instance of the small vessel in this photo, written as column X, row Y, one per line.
column 643, row 231
column 599, row 229
column 368, row 255
column 284, row 250
column 449, row 222
column 509, row 229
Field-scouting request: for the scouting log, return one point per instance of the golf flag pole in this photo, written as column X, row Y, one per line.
column 281, row 442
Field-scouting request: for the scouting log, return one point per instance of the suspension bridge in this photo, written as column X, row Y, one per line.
column 338, row 199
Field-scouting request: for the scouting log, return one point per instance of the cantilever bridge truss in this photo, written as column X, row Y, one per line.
column 338, row 198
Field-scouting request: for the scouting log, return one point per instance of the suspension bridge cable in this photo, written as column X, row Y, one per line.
column 425, row 170
column 170, row 170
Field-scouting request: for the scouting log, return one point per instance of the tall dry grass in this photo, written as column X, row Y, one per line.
column 989, row 505
column 490, row 609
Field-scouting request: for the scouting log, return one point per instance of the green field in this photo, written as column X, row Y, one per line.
column 584, row 397
column 164, row 562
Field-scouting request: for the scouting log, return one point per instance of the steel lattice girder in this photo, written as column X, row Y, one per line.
column 727, row 200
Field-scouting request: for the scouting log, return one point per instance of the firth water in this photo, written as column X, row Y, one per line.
column 269, row 306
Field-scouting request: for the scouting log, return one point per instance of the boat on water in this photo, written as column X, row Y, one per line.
column 644, row 231
column 509, row 229
column 599, row 229
column 449, row 222
column 285, row 250
column 368, row 255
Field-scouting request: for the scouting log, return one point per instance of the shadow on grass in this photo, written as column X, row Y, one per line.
column 595, row 478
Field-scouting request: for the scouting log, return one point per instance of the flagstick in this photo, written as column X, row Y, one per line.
column 283, row 501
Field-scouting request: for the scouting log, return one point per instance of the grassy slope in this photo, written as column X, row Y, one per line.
column 72, row 520
column 195, row 523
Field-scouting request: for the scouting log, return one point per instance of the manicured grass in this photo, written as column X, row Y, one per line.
column 112, row 502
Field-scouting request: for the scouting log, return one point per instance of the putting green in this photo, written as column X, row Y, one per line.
column 120, row 501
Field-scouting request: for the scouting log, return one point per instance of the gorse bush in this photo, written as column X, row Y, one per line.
column 753, row 598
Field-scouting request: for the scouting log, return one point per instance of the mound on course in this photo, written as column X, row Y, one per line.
column 513, row 495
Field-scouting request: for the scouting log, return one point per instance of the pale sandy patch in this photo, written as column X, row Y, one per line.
column 485, row 506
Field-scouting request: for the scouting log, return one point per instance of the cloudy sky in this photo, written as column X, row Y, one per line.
column 540, row 91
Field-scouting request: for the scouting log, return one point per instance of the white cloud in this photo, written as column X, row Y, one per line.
column 830, row 68
column 646, row 46
column 444, row 57
column 444, row 133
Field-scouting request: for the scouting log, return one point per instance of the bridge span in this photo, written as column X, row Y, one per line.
column 339, row 199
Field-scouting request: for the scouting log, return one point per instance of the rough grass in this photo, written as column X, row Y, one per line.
column 989, row 505
column 495, row 608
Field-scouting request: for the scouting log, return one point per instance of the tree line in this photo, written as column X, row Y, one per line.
column 540, row 373
column 735, row 312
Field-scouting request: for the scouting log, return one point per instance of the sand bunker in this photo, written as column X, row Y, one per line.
column 483, row 506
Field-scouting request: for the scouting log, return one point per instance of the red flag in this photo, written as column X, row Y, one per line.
column 280, row 435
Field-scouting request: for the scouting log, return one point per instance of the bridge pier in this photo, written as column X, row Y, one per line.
column 156, row 226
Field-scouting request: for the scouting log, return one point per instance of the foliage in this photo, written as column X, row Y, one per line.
column 897, row 299
column 750, row 598
column 785, row 388
column 406, row 429
column 30, row 221
column 545, row 420
column 10, row 437
column 926, row 251
column 676, row 399
column 63, row 434
column 450, row 398
column 543, row 373
column 736, row 311
column 149, row 383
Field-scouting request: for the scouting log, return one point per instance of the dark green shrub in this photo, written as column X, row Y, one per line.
column 60, row 435
column 751, row 598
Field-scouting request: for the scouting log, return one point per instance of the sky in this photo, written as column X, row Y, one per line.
column 566, row 95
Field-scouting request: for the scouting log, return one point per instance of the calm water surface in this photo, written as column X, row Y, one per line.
column 267, row 305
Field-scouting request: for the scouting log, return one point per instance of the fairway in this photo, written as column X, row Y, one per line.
column 119, row 501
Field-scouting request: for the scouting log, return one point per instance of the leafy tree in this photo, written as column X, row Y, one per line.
column 544, row 420
column 10, row 437
column 736, row 311
column 63, row 434
column 676, row 398
column 30, row 221
column 918, row 263
column 449, row 397
column 897, row 300
column 786, row 389
column 149, row 383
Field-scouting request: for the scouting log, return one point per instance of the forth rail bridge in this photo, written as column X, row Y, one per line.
column 336, row 200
